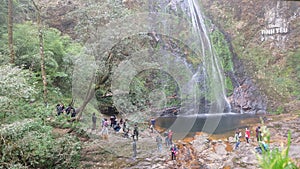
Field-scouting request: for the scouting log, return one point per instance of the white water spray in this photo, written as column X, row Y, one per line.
column 216, row 85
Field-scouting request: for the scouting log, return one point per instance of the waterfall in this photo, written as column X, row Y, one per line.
column 207, row 84
column 214, row 80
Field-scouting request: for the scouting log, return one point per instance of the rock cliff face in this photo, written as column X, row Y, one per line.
column 247, row 99
column 264, row 38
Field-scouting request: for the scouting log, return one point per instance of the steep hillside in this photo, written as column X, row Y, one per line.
column 264, row 36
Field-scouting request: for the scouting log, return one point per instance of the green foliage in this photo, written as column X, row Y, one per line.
column 229, row 86
column 275, row 158
column 14, row 82
column 194, row 60
column 19, row 97
column 294, row 73
column 4, row 59
column 59, row 53
column 29, row 143
column 15, row 90
column 63, row 122
column 223, row 52
column 278, row 111
column 3, row 16
column 276, row 76
column 154, row 88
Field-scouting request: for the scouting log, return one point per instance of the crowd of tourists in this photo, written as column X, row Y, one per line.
column 120, row 125
column 69, row 110
column 262, row 145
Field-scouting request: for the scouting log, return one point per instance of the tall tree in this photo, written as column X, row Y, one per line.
column 95, row 82
column 10, row 31
column 38, row 8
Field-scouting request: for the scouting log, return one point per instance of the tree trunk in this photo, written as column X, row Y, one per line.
column 10, row 31
column 91, row 90
column 90, row 94
column 88, row 97
column 42, row 60
column 41, row 44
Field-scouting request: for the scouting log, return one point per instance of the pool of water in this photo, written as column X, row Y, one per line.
column 188, row 125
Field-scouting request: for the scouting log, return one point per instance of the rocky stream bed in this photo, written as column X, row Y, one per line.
column 202, row 151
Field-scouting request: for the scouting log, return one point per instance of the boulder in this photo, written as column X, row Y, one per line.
column 246, row 98
column 231, row 140
column 220, row 149
column 169, row 112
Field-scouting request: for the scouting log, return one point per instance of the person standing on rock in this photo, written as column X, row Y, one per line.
column 121, row 121
column 136, row 132
column 258, row 134
column 167, row 142
column 151, row 128
column 173, row 152
column 94, row 120
column 73, row 113
column 59, row 109
column 159, row 143
column 124, row 125
column 126, row 132
column 237, row 139
column 105, row 128
column 152, row 122
column 247, row 135
column 112, row 121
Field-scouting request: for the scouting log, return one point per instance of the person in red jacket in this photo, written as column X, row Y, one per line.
column 247, row 135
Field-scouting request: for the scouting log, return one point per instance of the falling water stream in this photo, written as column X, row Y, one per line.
column 209, row 78
column 211, row 62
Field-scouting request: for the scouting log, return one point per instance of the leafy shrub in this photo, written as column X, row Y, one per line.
column 222, row 50
column 293, row 65
column 18, row 96
column 60, row 52
column 278, row 111
column 275, row 158
column 15, row 90
column 30, row 144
